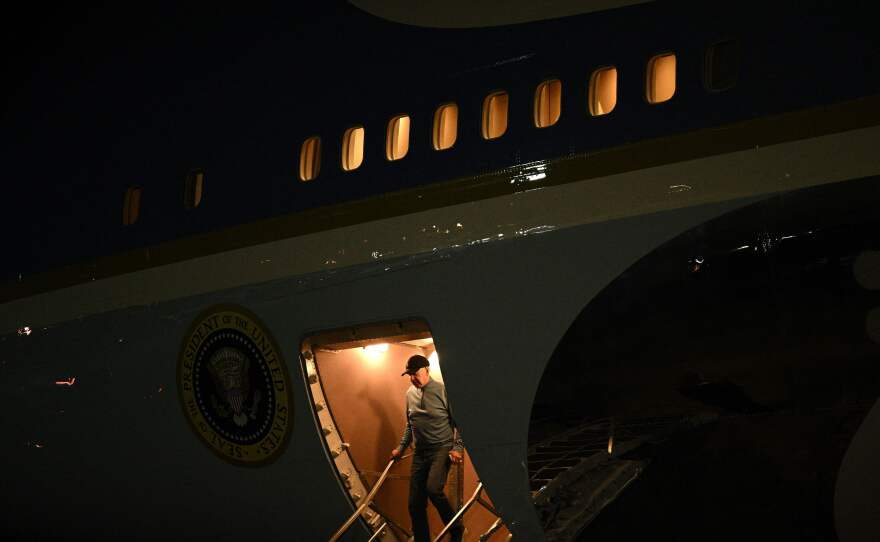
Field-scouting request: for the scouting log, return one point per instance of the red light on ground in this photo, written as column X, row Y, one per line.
column 68, row 382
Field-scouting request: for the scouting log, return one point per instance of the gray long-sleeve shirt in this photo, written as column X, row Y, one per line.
column 428, row 418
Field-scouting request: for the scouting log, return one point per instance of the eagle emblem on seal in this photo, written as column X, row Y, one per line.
column 229, row 368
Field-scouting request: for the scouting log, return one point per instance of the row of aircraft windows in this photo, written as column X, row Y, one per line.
column 546, row 112
column 720, row 72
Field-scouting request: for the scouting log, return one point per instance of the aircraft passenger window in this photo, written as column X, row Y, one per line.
column 131, row 205
column 445, row 127
column 194, row 188
column 310, row 158
column 353, row 148
column 603, row 91
column 495, row 115
column 660, row 83
column 548, row 97
column 721, row 66
column 397, row 138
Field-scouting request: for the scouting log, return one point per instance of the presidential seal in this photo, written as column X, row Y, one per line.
column 233, row 386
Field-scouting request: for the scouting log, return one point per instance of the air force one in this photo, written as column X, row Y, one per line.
column 640, row 246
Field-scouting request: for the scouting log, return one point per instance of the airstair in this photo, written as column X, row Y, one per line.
column 386, row 530
column 574, row 474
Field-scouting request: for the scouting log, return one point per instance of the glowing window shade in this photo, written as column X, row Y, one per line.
column 397, row 138
column 193, row 189
column 603, row 91
column 660, row 84
column 353, row 148
column 495, row 115
column 310, row 158
column 548, row 100
column 721, row 66
column 445, row 127
column 131, row 205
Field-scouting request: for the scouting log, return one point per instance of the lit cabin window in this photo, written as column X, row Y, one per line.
column 194, row 188
column 310, row 158
column 445, row 127
column 353, row 148
column 495, row 115
column 548, row 98
column 660, row 84
column 397, row 138
column 603, row 91
column 721, row 66
column 131, row 205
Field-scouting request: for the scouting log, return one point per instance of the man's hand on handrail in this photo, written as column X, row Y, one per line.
column 455, row 456
column 397, row 455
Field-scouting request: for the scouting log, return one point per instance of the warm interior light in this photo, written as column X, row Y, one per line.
column 353, row 148
column 548, row 97
column 661, row 78
column 445, row 126
column 397, row 138
column 603, row 91
column 193, row 188
column 434, row 367
column 374, row 354
column 380, row 348
column 199, row 188
column 310, row 158
column 495, row 115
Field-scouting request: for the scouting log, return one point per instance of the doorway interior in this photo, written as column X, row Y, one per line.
column 358, row 397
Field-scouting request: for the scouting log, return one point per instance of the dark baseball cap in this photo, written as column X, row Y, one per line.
column 415, row 363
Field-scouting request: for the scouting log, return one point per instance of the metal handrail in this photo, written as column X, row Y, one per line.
column 378, row 532
column 393, row 525
column 491, row 530
column 366, row 502
column 474, row 498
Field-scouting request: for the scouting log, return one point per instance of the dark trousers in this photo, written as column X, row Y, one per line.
column 429, row 470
